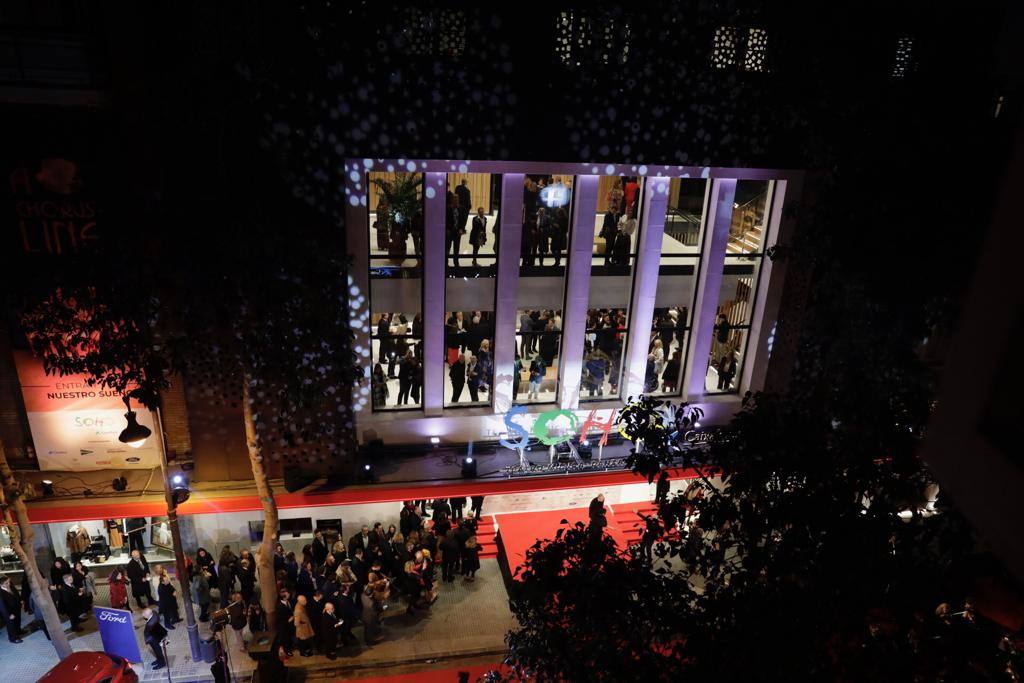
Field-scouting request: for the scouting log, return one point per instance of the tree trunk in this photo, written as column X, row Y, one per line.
column 265, row 554
column 22, row 536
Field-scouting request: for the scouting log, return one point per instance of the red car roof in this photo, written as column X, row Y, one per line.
column 81, row 666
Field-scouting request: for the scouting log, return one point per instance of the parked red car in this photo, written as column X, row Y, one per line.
column 91, row 667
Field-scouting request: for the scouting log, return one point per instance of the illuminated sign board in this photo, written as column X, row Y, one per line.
column 555, row 195
column 519, row 437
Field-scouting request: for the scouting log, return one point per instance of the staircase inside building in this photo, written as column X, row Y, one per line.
column 746, row 234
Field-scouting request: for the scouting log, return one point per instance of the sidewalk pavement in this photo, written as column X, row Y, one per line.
column 468, row 619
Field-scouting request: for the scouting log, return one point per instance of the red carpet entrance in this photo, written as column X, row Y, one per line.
column 520, row 530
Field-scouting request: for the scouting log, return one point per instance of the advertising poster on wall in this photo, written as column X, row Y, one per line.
column 75, row 426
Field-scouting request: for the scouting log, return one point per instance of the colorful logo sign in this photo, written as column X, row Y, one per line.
column 118, row 633
column 519, row 437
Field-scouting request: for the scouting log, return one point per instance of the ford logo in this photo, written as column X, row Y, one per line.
column 113, row 616
column 132, row 459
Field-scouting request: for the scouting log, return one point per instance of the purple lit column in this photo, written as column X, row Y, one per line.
column 645, row 285
column 357, row 242
column 723, row 194
column 577, row 288
column 510, row 240
column 435, row 193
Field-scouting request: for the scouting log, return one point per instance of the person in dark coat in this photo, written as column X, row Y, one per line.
column 409, row 520
column 246, row 574
column 478, row 234
column 154, row 634
column 285, row 623
column 200, row 591
column 305, row 584
column 58, row 569
column 329, row 625
column 315, row 609
column 457, row 504
column 597, row 506
column 205, row 561
column 442, row 526
column 70, row 600
column 360, row 540
column 662, row 488
column 226, row 575
column 168, row 603
column 348, row 613
column 478, row 505
column 465, row 202
column 10, row 609
column 449, row 556
column 440, row 507
column 320, row 549
column 457, row 374
column 138, row 577
column 471, row 559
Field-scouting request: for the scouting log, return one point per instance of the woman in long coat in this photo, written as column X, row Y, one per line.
column 118, row 589
column 167, row 602
column 304, row 632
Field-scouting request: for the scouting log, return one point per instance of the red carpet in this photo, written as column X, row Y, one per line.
column 474, row 672
column 519, row 531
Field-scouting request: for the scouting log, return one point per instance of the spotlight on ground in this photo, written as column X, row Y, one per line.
column 368, row 475
column 468, row 467
column 47, row 487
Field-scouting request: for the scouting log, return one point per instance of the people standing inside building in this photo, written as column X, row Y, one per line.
column 118, row 584
column 722, row 330
column 405, row 370
column 473, row 381
column 379, row 387
column 204, row 560
column 416, row 379
column 154, row 635
column 595, row 366
column 658, row 351
column 457, row 374
column 536, row 378
column 453, row 230
column 10, row 609
column 137, row 533
column 383, row 337
column 650, row 376
column 726, row 371
column 670, row 376
column 200, row 590
column 549, row 343
column 544, row 233
column 464, row 201
column 168, row 602
column 478, row 234
column 138, row 576
column 471, row 559
column 320, row 549
column 609, row 229
column 559, row 234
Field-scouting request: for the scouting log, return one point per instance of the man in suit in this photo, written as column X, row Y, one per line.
column 329, row 625
column 138, row 576
column 285, row 623
column 383, row 337
column 610, row 229
column 348, row 613
column 457, row 504
column 360, row 540
column 320, row 549
column 478, row 505
column 597, row 507
column 154, row 635
column 465, row 202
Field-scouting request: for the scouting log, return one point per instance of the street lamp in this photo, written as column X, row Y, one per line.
column 134, row 434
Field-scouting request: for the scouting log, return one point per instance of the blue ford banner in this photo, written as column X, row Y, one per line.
column 118, row 633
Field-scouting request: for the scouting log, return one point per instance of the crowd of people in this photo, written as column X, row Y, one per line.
column 540, row 334
column 602, row 352
column 400, row 349
column 323, row 593
column 468, row 353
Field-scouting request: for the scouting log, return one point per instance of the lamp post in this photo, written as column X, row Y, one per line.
column 135, row 435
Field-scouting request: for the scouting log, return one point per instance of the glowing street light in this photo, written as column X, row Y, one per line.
column 134, row 434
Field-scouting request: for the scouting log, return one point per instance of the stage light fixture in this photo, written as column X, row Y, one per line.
column 435, row 440
column 584, row 449
column 468, row 467
column 120, row 484
column 368, row 475
column 177, row 479
column 134, row 434
column 47, row 487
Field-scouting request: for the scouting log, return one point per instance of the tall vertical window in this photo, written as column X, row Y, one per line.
column 738, row 293
column 471, row 269
column 395, row 205
column 613, row 256
column 678, row 271
column 547, row 219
